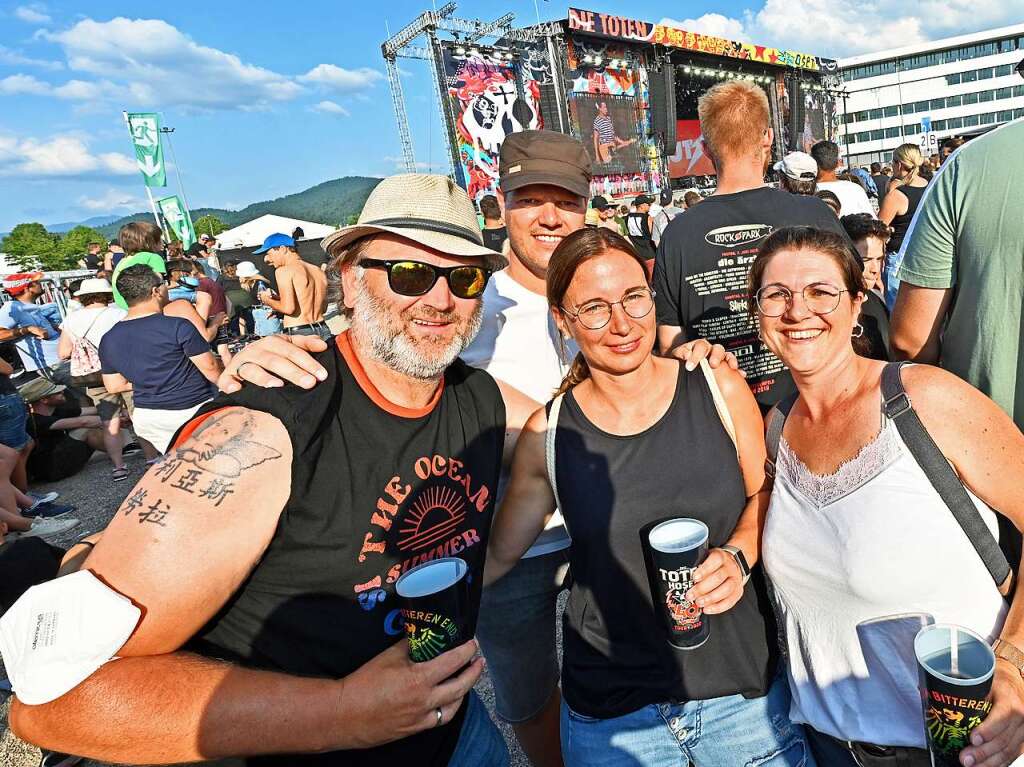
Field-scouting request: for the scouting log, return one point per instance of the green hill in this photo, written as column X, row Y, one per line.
column 331, row 202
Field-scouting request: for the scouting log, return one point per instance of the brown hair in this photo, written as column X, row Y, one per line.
column 489, row 206
column 88, row 299
column 139, row 236
column 691, row 198
column 860, row 226
column 807, row 238
column 175, row 250
column 733, row 117
column 576, row 249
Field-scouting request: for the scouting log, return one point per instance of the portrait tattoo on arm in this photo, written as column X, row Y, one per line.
column 218, row 453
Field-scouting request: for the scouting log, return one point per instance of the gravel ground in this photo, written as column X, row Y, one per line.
column 97, row 498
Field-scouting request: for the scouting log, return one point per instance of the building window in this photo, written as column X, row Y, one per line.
column 937, row 104
column 970, row 121
column 988, row 117
column 939, row 125
column 1018, row 112
column 1004, row 93
column 1005, row 69
column 986, row 95
column 1006, row 45
column 893, row 111
column 985, row 74
column 877, row 135
column 954, row 122
column 1018, row 90
column 954, row 101
column 953, row 79
column 892, row 132
column 911, row 129
column 921, row 106
column 971, row 76
column 1006, row 115
column 875, row 114
column 970, row 98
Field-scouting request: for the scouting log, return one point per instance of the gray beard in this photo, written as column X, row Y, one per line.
column 377, row 332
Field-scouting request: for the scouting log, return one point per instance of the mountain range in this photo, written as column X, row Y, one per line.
column 331, row 202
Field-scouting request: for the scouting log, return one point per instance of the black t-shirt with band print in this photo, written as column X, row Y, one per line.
column 701, row 275
column 376, row 489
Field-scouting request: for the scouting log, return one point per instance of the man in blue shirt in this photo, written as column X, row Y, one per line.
column 163, row 360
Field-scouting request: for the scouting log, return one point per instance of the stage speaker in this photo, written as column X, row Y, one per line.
column 549, row 111
column 662, row 89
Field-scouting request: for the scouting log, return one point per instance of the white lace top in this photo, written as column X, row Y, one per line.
column 860, row 559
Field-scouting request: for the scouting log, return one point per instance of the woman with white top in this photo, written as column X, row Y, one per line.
column 859, row 546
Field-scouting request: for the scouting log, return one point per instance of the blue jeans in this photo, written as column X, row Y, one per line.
column 892, row 281
column 13, row 419
column 480, row 743
column 720, row 732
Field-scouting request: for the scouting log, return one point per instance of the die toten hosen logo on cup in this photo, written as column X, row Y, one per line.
column 434, row 599
column 738, row 236
column 687, row 615
column 955, row 668
column 672, row 550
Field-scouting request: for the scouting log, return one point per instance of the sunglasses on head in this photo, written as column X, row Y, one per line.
column 415, row 278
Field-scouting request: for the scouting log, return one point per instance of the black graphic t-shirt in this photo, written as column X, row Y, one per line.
column 376, row 489
column 494, row 238
column 700, row 275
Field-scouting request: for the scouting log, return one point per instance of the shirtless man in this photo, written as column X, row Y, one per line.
column 301, row 289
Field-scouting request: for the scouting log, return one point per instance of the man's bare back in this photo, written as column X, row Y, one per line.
column 302, row 289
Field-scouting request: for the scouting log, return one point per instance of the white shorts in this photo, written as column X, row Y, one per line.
column 158, row 427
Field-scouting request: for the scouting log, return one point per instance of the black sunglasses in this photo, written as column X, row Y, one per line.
column 415, row 278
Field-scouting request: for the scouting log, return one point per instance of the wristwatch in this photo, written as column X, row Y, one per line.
column 1009, row 652
column 741, row 560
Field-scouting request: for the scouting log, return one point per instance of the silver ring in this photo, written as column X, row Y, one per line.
column 440, row 716
column 238, row 370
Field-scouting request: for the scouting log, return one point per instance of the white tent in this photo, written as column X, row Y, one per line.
column 256, row 231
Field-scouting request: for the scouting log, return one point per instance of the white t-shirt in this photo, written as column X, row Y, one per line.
column 100, row 318
column 519, row 344
column 852, row 198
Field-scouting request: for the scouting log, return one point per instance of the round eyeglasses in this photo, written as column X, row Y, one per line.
column 819, row 298
column 595, row 314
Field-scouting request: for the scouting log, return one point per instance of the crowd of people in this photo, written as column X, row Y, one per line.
column 531, row 393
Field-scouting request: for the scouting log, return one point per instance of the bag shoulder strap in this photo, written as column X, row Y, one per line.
column 773, row 433
column 720, row 404
column 549, row 445
column 896, row 406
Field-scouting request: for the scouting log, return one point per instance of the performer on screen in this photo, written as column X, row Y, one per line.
column 606, row 143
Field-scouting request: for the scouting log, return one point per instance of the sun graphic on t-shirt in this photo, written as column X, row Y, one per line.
column 435, row 513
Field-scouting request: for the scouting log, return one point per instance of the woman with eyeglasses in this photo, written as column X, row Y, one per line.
column 860, row 548
column 639, row 439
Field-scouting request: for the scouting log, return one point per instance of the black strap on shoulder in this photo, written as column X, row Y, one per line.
column 897, row 406
column 776, row 422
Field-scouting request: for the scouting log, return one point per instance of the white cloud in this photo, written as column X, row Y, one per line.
column 14, row 58
column 66, row 155
column 111, row 199
column 836, row 28
column 158, row 65
column 15, row 84
column 341, row 80
column 32, row 14
column 330, row 107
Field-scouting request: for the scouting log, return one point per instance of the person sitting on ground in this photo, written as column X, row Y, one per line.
column 852, row 197
column 830, row 199
column 81, row 334
column 162, row 360
column 869, row 237
column 798, row 173
column 301, row 296
column 66, row 434
column 494, row 230
column 142, row 242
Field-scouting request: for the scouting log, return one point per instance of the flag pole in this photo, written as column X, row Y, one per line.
column 177, row 170
column 149, row 194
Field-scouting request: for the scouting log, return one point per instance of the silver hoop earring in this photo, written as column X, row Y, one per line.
column 858, row 331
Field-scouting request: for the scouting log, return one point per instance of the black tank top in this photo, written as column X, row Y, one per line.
column 639, row 228
column 616, row 656
column 376, row 489
column 901, row 223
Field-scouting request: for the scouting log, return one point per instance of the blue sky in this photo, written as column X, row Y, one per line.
column 270, row 98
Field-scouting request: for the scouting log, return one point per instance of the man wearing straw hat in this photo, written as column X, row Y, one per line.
column 266, row 546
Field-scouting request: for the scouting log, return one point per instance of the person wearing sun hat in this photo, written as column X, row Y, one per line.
column 310, row 504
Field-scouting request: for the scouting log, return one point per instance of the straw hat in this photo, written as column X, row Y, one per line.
column 38, row 388
column 428, row 209
column 93, row 285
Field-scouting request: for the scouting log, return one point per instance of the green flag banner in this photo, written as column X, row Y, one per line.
column 178, row 219
column 145, row 130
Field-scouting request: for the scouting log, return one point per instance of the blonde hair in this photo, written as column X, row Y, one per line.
column 733, row 117
column 910, row 157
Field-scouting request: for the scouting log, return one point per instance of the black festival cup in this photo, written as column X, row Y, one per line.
column 672, row 550
column 434, row 599
column 955, row 667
